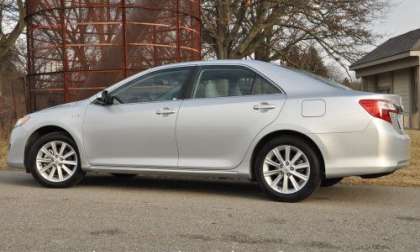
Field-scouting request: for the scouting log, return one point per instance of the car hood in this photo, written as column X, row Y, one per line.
column 62, row 110
column 63, row 106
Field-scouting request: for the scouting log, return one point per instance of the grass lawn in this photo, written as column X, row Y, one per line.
column 409, row 176
column 3, row 153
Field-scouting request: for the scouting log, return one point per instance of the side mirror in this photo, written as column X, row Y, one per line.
column 105, row 99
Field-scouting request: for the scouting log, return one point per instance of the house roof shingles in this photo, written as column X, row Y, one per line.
column 409, row 41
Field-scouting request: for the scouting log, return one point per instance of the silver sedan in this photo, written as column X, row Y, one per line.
column 288, row 130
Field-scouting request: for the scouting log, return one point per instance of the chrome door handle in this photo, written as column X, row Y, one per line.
column 165, row 111
column 264, row 106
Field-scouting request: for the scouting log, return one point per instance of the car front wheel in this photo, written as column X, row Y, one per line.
column 288, row 169
column 55, row 161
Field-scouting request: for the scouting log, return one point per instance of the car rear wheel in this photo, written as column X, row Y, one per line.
column 330, row 182
column 55, row 161
column 288, row 169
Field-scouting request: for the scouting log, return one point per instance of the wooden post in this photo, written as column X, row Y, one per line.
column 416, row 96
column 364, row 85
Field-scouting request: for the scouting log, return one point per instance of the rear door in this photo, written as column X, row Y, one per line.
column 229, row 106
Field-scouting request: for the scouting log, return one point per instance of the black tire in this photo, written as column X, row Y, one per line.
column 330, row 182
column 314, row 176
column 124, row 175
column 38, row 144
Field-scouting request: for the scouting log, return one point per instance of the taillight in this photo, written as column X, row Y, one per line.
column 380, row 108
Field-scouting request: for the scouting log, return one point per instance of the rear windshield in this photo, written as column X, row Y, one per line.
column 329, row 82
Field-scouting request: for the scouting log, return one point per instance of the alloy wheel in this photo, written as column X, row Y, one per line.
column 56, row 161
column 286, row 169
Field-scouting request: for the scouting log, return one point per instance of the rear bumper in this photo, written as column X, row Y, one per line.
column 379, row 149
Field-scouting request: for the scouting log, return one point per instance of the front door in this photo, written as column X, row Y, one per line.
column 139, row 129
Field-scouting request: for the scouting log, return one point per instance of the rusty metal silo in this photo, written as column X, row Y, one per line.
column 78, row 47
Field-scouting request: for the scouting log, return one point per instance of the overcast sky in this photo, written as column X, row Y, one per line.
column 403, row 16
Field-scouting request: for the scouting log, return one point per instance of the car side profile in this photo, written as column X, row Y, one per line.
column 288, row 130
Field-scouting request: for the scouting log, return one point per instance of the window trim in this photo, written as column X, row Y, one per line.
column 201, row 69
column 183, row 92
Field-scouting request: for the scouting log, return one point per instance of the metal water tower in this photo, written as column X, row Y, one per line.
column 78, row 47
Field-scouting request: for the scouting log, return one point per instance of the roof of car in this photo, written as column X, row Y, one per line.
column 215, row 62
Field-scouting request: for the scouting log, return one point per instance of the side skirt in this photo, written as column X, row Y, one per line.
column 168, row 171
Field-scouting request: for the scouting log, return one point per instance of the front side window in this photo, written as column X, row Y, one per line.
column 231, row 82
column 160, row 86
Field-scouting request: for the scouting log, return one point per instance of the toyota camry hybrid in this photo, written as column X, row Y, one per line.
column 288, row 130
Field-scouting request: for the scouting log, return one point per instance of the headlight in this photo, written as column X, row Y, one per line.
column 22, row 121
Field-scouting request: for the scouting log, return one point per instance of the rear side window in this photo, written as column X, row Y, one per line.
column 329, row 82
column 213, row 83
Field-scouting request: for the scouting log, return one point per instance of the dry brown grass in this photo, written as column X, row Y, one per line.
column 408, row 176
column 3, row 153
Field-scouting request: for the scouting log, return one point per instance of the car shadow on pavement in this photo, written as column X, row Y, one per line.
column 366, row 194
column 191, row 185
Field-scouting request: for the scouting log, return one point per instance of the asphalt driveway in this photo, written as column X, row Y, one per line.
column 159, row 214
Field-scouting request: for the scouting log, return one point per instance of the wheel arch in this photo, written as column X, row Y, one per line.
column 42, row 131
column 281, row 133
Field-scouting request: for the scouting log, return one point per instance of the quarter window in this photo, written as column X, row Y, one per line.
column 261, row 86
column 231, row 82
column 161, row 86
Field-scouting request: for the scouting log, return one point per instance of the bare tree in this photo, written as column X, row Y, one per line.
column 308, row 60
column 12, row 24
column 268, row 29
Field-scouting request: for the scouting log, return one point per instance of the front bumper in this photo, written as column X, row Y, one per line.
column 17, row 144
column 379, row 149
